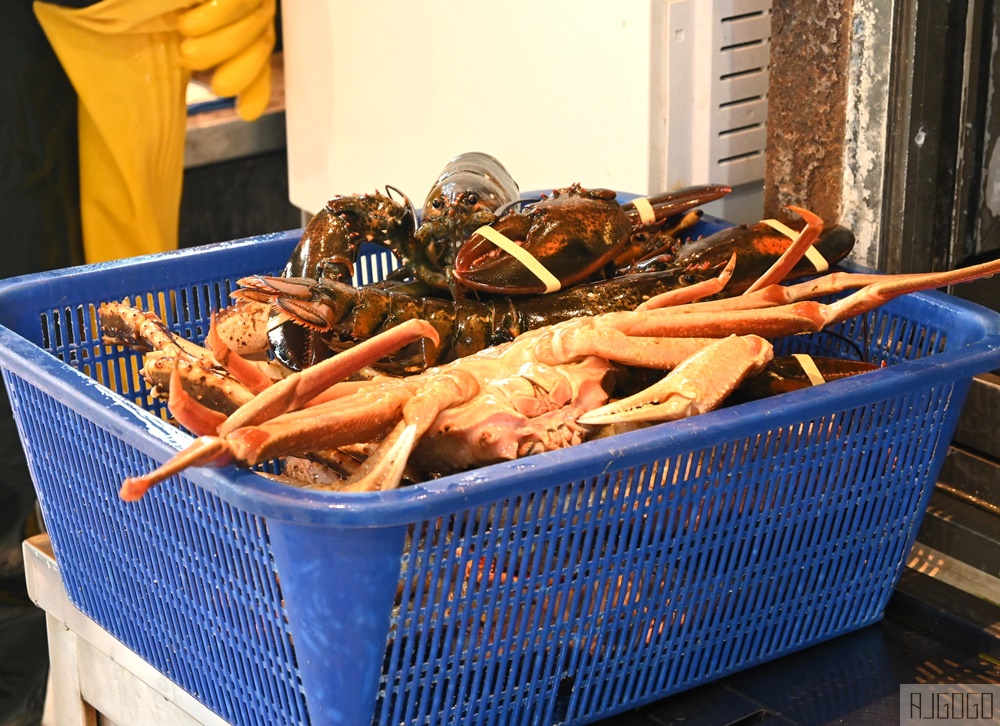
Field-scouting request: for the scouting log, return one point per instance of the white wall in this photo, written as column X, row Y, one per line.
column 609, row 94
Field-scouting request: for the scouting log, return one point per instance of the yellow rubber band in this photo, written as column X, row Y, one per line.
column 817, row 259
column 645, row 210
column 812, row 254
column 781, row 227
column 809, row 368
column 522, row 255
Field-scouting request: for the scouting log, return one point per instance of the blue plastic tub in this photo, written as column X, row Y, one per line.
column 559, row 588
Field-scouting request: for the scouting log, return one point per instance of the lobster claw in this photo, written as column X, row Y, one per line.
column 660, row 209
column 296, row 328
column 563, row 239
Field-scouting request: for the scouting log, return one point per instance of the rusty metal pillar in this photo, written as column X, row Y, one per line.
column 829, row 103
column 807, row 98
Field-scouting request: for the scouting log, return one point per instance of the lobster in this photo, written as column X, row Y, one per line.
column 567, row 238
column 574, row 231
column 467, row 193
column 472, row 192
column 343, row 314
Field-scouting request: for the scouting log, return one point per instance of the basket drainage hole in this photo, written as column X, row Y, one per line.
column 563, row 692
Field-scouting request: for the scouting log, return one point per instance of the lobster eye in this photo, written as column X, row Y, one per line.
column 472, row 200
column 437, row 203
column 687, row 279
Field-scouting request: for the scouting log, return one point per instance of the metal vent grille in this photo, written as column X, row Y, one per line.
column 741, row 45
column 716, row 69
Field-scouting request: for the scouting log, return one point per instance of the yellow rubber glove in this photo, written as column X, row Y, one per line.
column 123, row 59
column 236, row 38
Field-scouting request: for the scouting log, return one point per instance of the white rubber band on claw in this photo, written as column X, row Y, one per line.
column 812, row 254
column 645, row 210
column 809, row 368
column 522, row 255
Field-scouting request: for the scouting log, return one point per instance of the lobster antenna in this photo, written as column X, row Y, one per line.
column 858, row 350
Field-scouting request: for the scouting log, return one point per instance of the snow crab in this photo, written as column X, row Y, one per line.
column 546, row 389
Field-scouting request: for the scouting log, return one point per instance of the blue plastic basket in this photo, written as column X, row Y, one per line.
column 559, row 588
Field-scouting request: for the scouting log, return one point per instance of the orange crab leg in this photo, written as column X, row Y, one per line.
column 188, row 412
column 384, row 468
column 887, row 288
column 242, row 370
column 248, row 444
column 299, row 388
column 202, row 451
column 645, row 352
column 777, row 310
column 360, row 417
column 788, row 259
column 691, row 293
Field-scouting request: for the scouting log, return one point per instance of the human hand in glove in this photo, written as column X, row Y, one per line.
column 129, row 62
column 236, row 38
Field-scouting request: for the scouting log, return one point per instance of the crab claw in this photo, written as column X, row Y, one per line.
column 699, row 384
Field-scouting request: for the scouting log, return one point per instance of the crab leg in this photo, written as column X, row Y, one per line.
column 646, row 352
column 202, row 451
column 250, row 375
column 784, row 264
column 243, row 326
column 777, row 310
column 360, row 417
column 697, row 385
column 875, row 290
column 299, row 388
column 208, row 384
column 697, row 291
column 142, row 331
column 887, row 288
column 188, row 411
column 384, row 468
column 248, row 444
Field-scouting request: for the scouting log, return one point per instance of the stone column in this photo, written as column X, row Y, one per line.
column 828, row 109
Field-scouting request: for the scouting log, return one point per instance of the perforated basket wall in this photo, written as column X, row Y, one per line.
column 554, row 589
